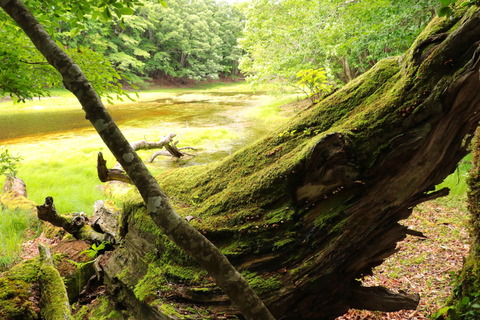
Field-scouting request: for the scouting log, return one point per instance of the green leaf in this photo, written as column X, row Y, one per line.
column 444, row 12
column 126, row 11
column 163, row 3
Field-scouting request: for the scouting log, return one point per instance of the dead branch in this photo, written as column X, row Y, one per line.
column 76, row 224
column 105, row 174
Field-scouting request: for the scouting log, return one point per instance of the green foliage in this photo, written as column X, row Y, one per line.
column 466, row 308
column 188, row 39
column 313, row 82
column 345, row 37
column 447, row 7
column 26, row 74
column 8, row 163
column 95, row 249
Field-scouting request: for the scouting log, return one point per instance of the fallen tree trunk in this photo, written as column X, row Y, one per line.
column 53, row 294
column 313, row 207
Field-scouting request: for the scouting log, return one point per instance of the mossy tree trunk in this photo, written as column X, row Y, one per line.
column 314, row 206
column 465, row 299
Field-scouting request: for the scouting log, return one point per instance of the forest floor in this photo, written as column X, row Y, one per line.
column 426, row 266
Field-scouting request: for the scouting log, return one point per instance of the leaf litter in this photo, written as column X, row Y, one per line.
column 423, row 265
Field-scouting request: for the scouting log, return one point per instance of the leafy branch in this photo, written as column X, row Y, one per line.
column 8, row 163
column 313, row 82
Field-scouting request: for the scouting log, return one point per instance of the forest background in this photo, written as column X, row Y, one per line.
column 268, row 42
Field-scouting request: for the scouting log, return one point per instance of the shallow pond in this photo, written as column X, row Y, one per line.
column 59, row 147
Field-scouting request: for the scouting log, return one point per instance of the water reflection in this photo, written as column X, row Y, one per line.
column 191, row 112
column 211, row 109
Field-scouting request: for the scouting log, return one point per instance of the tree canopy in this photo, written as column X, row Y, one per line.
column 123, row 41
column 344, row 37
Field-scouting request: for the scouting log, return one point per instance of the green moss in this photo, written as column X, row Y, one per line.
column 16, row 288
column 263, row 284
column 101, row 309
column 170, row 311
column 282, row 243
column 54, row 298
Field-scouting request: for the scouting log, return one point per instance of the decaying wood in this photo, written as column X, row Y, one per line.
column 167, row 153
column 166, row 142
column 105, row 174
column 382, row 299
column 16, row 185
column 53, row 294
column 76, row 224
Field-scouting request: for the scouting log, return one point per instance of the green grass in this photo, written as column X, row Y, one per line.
column 63, row 165
column 13, row 227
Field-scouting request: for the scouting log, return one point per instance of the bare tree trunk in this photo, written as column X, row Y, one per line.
column 157, row 203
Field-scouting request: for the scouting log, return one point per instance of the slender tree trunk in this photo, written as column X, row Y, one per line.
column 189, row 239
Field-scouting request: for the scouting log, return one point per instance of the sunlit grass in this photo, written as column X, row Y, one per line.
column 63, row 165
column 13, row 226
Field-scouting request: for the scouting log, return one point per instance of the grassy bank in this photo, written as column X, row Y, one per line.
column 63, row 164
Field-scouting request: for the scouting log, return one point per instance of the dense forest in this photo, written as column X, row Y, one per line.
column 283, row 228
column 267, row 42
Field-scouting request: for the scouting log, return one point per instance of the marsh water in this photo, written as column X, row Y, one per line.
column 217, row 122
column 58, row 146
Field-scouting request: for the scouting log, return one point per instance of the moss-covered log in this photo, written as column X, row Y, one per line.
column 314, row 206
column 54, row 304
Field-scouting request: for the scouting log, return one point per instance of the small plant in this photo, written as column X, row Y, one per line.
column 313, row 82
column 8, row 163
column 95, row 249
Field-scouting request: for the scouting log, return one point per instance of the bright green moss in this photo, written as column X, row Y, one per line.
column 263, row 284
column 16, row 288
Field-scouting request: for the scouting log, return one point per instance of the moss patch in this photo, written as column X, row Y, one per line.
column 19, row 293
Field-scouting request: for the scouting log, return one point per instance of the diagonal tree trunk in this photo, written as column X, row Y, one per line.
column 157, row 203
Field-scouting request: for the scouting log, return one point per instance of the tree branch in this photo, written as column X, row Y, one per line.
column 76, row 225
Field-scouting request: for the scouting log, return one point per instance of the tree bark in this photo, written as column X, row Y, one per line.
column 189, row 239
column 314, row 206
column 465, row 299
